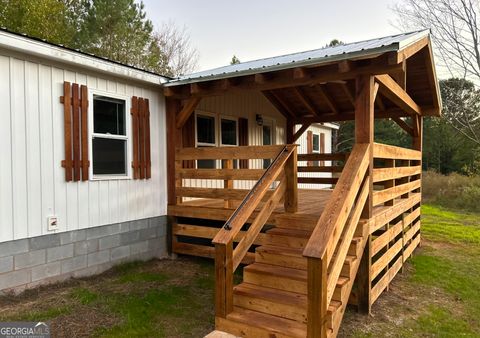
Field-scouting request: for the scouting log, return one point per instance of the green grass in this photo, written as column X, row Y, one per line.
column 452, row 264
column 175, row 298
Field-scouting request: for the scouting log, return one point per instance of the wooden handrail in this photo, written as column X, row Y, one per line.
column 338, row 208
column 282, row 168
column 235, row 223
column 333, row 234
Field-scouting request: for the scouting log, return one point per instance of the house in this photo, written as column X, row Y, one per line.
column 105, row 163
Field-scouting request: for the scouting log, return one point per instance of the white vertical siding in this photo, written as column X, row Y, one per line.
column 245, row 105
column 302, row 149
column 32, row 181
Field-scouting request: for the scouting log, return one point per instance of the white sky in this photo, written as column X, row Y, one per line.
column 252, row 29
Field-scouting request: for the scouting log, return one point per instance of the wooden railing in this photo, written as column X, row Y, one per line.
column 221, row 186
column 316, row 163
column 328, row 245
column 227, row 259
column 395, row 227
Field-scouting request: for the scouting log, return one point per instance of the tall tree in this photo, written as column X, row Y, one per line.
column 462, row 107
column 44, row 19
column 455, row 31
column 234, row 60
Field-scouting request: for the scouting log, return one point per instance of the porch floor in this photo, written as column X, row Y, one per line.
column 311, row 203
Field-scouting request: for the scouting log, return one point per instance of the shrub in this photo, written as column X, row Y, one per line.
column 453, row 191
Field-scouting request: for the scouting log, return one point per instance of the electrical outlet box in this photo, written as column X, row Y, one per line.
column 52, row 223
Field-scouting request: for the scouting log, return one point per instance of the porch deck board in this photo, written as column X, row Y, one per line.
column 311, row 202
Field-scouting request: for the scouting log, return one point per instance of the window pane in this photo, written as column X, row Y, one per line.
column 108, row 115
column 267, row 135
column 109, row 156
column 316, row 142
column 229, row 132
column 205, row 129
column 206, row 164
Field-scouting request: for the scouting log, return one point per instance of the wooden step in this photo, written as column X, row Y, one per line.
column 355, row 247
column 247, row 323
column 296, row 221
column 347, row 266
column 292, row 238
column 332, row 313
column 275, row 302
column 339, row 293
column 281, row 256
column 277, row 277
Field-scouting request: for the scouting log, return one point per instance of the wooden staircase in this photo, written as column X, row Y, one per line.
column 272, row 300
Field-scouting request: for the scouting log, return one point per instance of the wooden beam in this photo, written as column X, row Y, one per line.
column 346, row 66
column 404, row 125
column 283, row 103
column 174, row 139
column 305, row 101
column 327, row 98
column 287, row 78
column 350, row 115
column 277, row 104
column 408, row 51
column 186, row 111
column 392, row 90
column 349, row 94
column 300, row 131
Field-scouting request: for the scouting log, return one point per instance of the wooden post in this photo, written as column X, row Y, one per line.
column 290, row 131
column 223, row 279
column 317, row 298
column 417, row 144
column 228, row 184
column 364, row 124
column 174, row 140
column 291, row 176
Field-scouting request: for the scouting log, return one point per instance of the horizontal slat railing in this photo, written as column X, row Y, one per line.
column 227, row 259
column 313, row 167
column 395, row 226
column 333, row 234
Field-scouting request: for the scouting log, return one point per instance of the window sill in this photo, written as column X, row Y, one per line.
column 110, row 178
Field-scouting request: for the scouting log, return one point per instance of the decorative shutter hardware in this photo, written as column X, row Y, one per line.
column 141, row 163
column 75, row 110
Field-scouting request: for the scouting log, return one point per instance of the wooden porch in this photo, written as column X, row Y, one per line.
column 305, row 254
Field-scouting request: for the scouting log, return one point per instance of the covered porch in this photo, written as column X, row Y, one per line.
column 324, row 248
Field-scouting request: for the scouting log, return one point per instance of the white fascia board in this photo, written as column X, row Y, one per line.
column 58, row 54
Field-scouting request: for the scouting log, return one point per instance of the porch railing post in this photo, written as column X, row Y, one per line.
column 317, row 324
column 223, row 279
column 291, row 173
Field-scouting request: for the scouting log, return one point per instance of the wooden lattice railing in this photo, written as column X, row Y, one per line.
column 327, row 248
column 227, row 259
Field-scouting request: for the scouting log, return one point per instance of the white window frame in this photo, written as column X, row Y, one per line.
column 215, row 133
column 316, row 163
column 127, row 137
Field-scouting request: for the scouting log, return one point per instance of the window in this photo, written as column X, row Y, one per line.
column 214, row 131
column 109, row 138
column 206, row 138
column 267, row 140
column 228, row 131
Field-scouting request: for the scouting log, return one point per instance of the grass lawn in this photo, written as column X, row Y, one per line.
column 438, row 295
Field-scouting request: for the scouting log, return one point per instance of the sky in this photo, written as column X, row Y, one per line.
column 253, row 29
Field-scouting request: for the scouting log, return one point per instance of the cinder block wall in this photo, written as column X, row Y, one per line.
column 27, row 263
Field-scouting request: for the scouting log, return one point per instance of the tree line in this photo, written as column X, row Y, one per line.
column 116, row 29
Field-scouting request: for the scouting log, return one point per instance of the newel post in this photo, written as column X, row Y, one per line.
column 223, row 279
column 174, row 140
column 365, row 93
column 291, row 175
column 317, row 322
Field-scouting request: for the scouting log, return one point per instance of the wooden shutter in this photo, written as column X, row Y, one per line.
column 75, row 110
column 309, row 145
column 188, row 138
column 141, row 162
column 243, row 139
